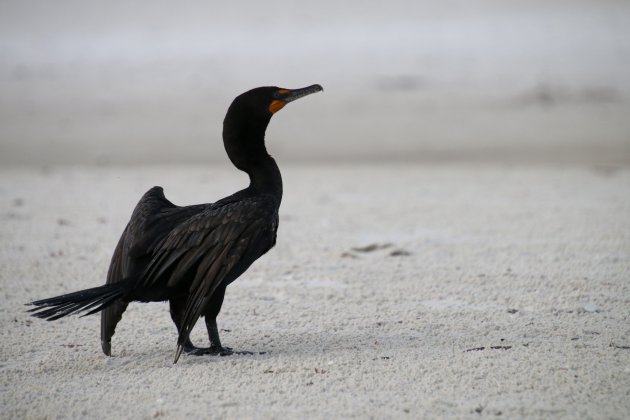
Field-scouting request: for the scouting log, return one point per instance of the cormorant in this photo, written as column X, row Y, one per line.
column 188, row 255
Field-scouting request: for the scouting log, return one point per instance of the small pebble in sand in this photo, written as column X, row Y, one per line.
column 372, row 247
column 400, row 253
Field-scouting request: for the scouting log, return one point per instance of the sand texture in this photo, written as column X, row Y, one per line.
column 394, row 291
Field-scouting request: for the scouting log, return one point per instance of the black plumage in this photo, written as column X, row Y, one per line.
column 189, row 255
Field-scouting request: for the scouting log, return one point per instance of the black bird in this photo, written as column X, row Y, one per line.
column 188, row 255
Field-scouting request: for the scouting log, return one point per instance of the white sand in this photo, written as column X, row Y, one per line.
column 533, row 259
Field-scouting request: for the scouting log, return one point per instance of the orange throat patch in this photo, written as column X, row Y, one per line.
column 276, row 106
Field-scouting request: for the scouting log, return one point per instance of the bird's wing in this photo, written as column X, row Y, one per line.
column 153, row 217
column 209, row 248
column 111, row 315
column 116, row 266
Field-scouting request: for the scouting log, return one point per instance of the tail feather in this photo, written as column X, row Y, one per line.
column 94, row 300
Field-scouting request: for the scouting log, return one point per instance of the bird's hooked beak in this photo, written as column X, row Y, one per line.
column 284, row 96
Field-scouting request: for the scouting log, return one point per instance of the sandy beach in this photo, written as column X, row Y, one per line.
column 418, row 291
column 454, row 238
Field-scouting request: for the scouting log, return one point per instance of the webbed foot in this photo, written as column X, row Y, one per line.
column 215, row 351
column 212, row 350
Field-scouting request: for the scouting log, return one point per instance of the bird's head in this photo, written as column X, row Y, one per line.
column 280, row 97
column 247, row 119
column 261, row 103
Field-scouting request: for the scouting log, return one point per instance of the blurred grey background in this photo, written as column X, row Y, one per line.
column 85, row 82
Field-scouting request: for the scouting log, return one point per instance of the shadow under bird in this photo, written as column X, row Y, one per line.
column 188, row 255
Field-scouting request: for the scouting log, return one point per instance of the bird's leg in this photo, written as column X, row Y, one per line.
column 215, row 341
column 177, row 313
column 213, row 335
column 214, row 307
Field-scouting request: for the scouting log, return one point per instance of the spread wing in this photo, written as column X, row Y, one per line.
column 153, row 217
column 212, row 247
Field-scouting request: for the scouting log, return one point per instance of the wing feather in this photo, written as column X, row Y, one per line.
column 153, row 217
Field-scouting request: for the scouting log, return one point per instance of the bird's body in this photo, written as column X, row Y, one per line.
column 189, row 255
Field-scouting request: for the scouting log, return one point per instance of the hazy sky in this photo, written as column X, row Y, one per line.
column 77, row 76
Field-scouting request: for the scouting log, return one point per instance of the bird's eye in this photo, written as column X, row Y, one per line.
column 276, row 95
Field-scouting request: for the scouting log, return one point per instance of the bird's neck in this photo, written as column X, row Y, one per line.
column 265, row 178
column 245, row 146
